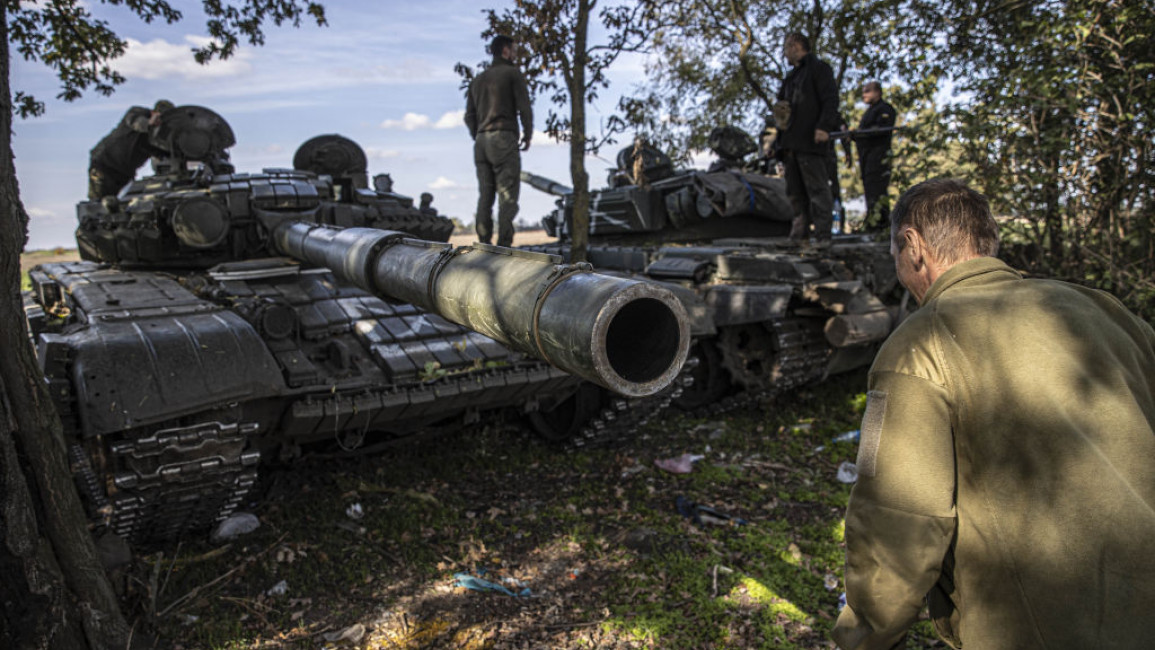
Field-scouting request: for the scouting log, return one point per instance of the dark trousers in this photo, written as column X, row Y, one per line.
column 875, row 165
column 498, row 162
column 808, row 186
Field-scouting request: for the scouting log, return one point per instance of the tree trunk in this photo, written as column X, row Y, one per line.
column 577, row 143
column 54, row 591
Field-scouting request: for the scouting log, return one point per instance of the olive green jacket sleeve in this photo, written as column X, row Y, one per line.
column 900, row 521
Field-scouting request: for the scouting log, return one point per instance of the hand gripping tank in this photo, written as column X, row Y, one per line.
column 221, row 320
column 765, row 315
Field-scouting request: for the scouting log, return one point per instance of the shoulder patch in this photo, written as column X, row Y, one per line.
column 871, row 432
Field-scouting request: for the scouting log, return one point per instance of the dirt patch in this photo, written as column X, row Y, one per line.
column 520, row 238
column 29, row 259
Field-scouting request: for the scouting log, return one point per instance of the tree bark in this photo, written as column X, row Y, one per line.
column 54, row 591
column 579, row 247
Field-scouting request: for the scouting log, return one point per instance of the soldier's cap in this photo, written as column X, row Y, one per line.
column 163, row 105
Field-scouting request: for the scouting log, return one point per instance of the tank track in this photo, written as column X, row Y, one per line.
column 175, row 480
column 800, row 353
column 801, row 356
column 621, row 418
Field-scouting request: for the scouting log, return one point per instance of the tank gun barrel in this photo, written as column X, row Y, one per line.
column 545, row 184
column 628, row 335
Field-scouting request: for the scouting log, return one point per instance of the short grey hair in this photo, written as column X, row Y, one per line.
column 955, row 220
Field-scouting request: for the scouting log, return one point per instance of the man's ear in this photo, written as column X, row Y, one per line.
column 915, row 246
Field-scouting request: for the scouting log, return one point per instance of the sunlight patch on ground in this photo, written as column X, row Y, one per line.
column 766, row 597
column 790, row 556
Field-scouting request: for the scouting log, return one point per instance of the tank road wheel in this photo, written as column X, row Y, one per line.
column 563, row 421
column 775, row 355
column 711, row 380
column 750, row 354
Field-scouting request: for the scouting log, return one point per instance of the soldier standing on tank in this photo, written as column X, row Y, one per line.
column 808, row 99
column 874, row 156
column 113, row 162
column 497, row 99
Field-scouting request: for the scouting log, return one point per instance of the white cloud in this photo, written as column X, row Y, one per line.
column 543, row 139
column 377, row 153
column 411, row 122
column 408, row 71
column 443, row 183
column 451, row 120
column 159, row 59
column 701, row 158
column 415, row 121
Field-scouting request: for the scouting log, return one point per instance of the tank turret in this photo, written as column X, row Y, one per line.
column 196, row 212
column 648, row 199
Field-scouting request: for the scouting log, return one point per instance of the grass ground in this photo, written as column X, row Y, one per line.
column 595, row 536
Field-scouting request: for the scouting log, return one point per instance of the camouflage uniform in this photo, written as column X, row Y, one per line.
column 114, row 160
column 496, row 99
column 1005, row 471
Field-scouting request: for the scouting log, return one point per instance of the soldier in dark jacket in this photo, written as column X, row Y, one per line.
column 874, row 155
column 497, row 99
column 810, row 94
column 114, row 160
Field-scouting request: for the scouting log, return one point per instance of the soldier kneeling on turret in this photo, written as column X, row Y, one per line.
column 115, row 159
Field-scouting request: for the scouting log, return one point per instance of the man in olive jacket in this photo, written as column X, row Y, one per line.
column 497, row 98
column 1005, row 465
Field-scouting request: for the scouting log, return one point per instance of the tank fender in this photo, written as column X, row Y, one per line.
column 846, row 297
column 134, row 372
column 741, row 304
column 702, row 322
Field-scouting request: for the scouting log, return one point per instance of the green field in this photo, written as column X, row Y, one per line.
column 29, row 259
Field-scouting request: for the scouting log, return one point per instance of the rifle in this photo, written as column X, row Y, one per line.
column 841, row 135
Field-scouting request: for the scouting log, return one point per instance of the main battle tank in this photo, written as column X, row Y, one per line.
column 220, row 320
column 766, row 315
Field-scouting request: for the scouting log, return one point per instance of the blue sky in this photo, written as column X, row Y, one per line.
column 381, row 73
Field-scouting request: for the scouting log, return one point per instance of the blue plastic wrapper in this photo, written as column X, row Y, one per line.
column 477, row 584
column 849, row 436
